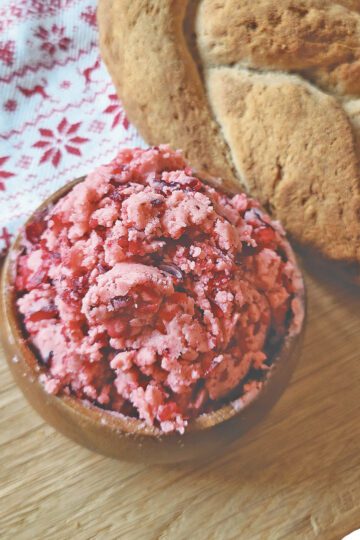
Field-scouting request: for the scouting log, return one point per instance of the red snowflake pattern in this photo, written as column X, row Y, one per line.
column 54, row 144
column 15, row 11
column 7, row 52
column 10, row 105
column 46, row 7
column 53, row 40
column 4, row 174
column 88, row 71
column 118, row 112
column 89, row 15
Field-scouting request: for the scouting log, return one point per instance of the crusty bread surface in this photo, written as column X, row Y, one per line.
column 268, row 99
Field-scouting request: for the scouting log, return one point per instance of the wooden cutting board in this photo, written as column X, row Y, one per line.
column 295, row 475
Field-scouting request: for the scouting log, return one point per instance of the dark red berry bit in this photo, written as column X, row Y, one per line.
column 47, row 359
column 93, row 223
column 119, row 302
column 172, row 269
column 265, row 237
column 117, row 195
column 118, row 170
column 36, row 279
column 218, row 312
column 157, row 202
column 167, row 411
column 135, row 247
column 195, row 184
column 35, row 228
column 260, row 217
column 173, row 184
column 47, row 312
column 123, row 242
column 76, row 290
column 57, row 222
column 54, row 255
column 102, row 268
column 128, row 409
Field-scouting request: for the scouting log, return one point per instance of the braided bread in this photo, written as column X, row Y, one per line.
column 263, row 94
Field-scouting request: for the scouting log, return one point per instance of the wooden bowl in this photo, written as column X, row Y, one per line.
column 123, row 437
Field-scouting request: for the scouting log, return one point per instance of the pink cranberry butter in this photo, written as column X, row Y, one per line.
column 150, row 294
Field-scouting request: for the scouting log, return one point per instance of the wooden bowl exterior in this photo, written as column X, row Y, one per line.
column 118, row 436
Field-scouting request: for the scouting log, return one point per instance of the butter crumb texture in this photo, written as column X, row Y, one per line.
column 146, row 292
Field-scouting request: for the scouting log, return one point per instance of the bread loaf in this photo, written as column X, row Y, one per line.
column 263, row 94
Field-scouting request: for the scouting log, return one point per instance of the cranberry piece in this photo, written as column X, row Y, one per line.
column 57, row 218
column 173, row 184
column 47, row 360
column 218, row 312
column 57, row 222
column 157, row 202
column 265, row 237
column 195, row 184
column 102, row 268
column 148, row 309
column 93, row 223
column 47, row 312
column 160, row 327
column 123, row 242
column 23, row 273
column 128, row 409
column 159, row 185
column 149, row 300
column 117, row 195
column 69, row 296
column 20, row 283
column 218, row 282
column 279, row 315
column 168, row 312
column 167, row 411
column 119, row 302
column 178, row 298
column 135, row 247
column 76, row 289
column 36, row 279
column 173, row 270
column 261, row 218
column 207, row 364
column 117, row 170
column 116, row 327
column 55, row 256
column 186, row 241
column 34, row 230
column 247, row 251
column 224, row 375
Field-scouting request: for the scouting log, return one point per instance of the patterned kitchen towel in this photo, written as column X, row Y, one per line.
column 59, row 114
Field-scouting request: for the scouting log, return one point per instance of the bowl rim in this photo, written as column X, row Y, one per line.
column 118, row 421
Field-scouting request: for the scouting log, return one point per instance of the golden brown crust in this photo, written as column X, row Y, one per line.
column 352, row 109
column 316, row 35
column 353, row 5
column 292, row 144
column 145, row 51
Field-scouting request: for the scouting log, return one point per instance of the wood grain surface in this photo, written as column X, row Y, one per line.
column 295, row 475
